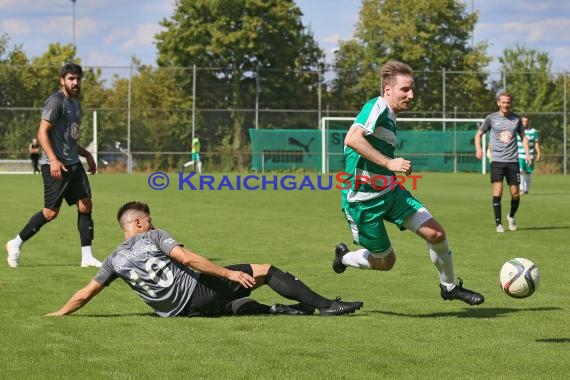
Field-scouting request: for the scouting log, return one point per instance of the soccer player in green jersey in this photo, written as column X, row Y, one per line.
column 534, row 150
column 195, row 155
column 375, row 197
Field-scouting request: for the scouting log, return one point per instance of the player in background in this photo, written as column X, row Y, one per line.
column 163, row 273
column 62, row 171
column 504, row 126
column 369, row 152
column 195, row 155
column 534, row 150
column 34, row 150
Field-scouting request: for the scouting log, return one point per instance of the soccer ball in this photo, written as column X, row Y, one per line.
column 519, row 278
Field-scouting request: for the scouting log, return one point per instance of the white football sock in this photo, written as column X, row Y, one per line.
column 17, row 241
column 188, row 164
column 357, row 259
column 441, row 257
column 86, row 253
column 528, row 181
column 523, row 184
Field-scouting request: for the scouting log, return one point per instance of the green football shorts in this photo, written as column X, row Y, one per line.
column 528, row 169
column 366, row 219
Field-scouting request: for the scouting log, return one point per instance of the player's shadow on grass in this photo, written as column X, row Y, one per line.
column 553, row 340
column 115, row 315
column 479, row 312
column 542, row 228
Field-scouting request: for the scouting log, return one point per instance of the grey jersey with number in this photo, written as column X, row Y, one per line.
column 65, row 116
column 503, row 139
column 143, row 262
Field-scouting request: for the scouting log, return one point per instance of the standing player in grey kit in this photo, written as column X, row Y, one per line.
column 504, row 126
column 62, row 171
column 160, row 271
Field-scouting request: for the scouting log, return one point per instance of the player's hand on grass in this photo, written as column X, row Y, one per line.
column 243, row 278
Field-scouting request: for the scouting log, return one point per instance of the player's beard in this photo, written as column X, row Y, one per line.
column 73, row 91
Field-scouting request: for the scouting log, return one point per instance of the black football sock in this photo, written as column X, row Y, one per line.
column 292, row 288
column 514, row 207
column 34, row 224
column 85, row 227
column 497, row 209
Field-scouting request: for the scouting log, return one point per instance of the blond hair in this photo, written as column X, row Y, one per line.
column 392, row 69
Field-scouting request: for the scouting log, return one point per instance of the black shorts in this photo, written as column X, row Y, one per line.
column 73, row 186
column 508, row 170
column 212, row 295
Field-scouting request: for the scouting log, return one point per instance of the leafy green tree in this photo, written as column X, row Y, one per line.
column 429, row 35
column 160, row 117
column 242, row 43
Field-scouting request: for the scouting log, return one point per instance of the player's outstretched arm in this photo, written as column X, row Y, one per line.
column 202, row 264
column 79, row 299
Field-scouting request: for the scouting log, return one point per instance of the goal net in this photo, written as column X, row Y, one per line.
column 432, row 144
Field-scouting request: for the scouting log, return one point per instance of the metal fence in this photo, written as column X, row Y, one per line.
column 137, row 129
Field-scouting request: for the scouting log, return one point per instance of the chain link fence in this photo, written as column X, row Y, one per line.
column 144, row 118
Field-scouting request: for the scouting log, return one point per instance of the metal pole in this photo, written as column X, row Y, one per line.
column 193, row 101
column 257, row 100
column 74, row 46
column 472, row 32
column 455, row 140
column 320, row 96
column 129, row 156
column 443, row 96
column 565, row 122
column 95, row 147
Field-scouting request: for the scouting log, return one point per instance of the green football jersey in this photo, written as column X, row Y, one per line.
column 532, row 136
column 379, row 123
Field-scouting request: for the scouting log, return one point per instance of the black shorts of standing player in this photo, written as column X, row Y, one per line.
column 73, row 186
column 508, row 170
column 213, row 295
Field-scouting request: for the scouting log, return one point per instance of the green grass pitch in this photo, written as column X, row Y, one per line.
column 404, row 331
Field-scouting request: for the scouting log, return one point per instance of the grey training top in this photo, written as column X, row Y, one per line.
column 65, row 115
column 143, row 262
column 503, row 136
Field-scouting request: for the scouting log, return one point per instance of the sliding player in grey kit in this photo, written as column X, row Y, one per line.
column 175, row 281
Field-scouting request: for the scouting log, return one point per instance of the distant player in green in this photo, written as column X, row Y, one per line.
column 195, row 155
column 374, row 197
column 62, row 171
column 503, row 127
column 175, row 281
column 534, row 150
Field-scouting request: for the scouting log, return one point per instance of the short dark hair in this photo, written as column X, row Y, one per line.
column 132, row 205
column 71, row 68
